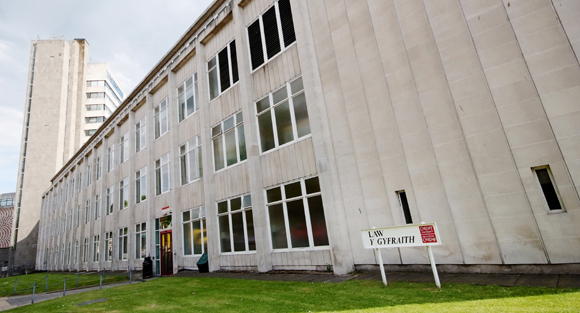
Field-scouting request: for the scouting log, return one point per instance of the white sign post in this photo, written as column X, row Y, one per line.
column 416, row 235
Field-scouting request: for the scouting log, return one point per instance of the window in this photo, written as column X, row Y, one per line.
column 296, row 215
column 282, row 116
column 96, row 242
column 140, row 240
column 88, row 175
column 124, row 147
column 229, row 143
column 141, row 185
column 98, row 168
column 86, row 251
column 405, row 206
column 123, row 240
column 110, row 158
column 161, row 119
column 97, row 206
column 72, row 188
column 68, row 253
column 70, row 219
column 95, row 119
column 123, row 193
column 110, row 194
column 76, row 252
column 194, row 232
column 162, row 175
column 222, row 70
column 95, row 95
column 549, row 189
column 87, row 210
column 271, row 33
column 97, row 107
column 109, row 246
column 78, row 215
column 187, row 97
column 236, row 225
column 80, row 181
column 190, row 160
column 95, row 83
column 140, row 135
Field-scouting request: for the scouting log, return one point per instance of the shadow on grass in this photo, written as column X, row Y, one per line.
column 230, row 295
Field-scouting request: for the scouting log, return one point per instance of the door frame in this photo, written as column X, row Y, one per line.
column 161, row 245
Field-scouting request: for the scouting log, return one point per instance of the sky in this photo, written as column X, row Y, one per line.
column 131, row 36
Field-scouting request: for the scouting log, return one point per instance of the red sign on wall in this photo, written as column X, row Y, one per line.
column 428, row 234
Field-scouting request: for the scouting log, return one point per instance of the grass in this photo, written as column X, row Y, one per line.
column 229, row 295
column 55, row 282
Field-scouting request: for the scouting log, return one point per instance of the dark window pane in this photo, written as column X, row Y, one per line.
column 218, row 153
column 317, row 221
column 277, row 228
column 274, row 195
column 255, row 41
column 284, row 123
column 213, row 84
column 222, row 207
column 231, row 151
column 235, row 204
column 312, row 185
column 242, row 142
column 238, row 232
column 286, row 22
column 297, row 221
column 266, row 131
column 271, row 32
column 186, row 239
column 405, row 207
column 250, row 230
column 293, row 190
column 234, row 58
column 225, row 234
column 224, row 69
column 189, row 97
column 196, row 237
column 301, row 115
column 262, row 104
column 548, row 189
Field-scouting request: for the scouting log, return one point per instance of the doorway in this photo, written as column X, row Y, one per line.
column 166, row 253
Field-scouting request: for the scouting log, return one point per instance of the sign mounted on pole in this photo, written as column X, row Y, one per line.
column 416, row 235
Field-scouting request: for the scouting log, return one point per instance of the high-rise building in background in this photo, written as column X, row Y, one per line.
column 6, row 215
column 67, row 99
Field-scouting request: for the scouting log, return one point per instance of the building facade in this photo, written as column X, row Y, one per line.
column 67, row 99
column 274, row 131
column 6, row 218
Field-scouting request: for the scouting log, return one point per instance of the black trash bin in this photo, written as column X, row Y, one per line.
column 147, row 267
column 202, row 264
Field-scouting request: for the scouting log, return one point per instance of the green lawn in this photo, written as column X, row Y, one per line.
column 55, row 282
column 229, row 295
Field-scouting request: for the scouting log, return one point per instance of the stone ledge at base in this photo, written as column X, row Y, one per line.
column 555, row 269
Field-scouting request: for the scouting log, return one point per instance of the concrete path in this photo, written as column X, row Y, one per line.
column 8, row 303
column 553, row 281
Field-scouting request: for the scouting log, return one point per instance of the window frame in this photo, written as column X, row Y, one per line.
column 182, row 106
column 108, row 246
column 192, row 146
column 110, row 158
column 124, row 147
column 554, row 186
column 229, row 213
column 221, row 135
column 110, row 200
column 140, row 181
column 159, row 171
column 161, row 112
column 272, row 109
column 202, row 218
column 227, row 47
column 124, row 193
column 283, row 46
column 141, row 132
column 307, row 215
column 97, row 206
column 123, row 243
column 140, row 234
column 96, row 247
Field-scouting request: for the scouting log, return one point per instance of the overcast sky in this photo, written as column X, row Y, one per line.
column 131, row 36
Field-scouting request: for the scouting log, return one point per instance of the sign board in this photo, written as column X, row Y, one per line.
column 416, row 235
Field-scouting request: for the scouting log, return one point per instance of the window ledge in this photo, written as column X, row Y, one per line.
column 287, row 144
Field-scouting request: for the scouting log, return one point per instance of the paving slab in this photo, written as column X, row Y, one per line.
column 537, row 280
column 499, row 280
column 569, row 281
column 413, row 277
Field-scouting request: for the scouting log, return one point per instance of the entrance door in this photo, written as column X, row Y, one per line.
column 166, row 253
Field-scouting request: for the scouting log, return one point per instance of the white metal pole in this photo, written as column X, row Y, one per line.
column 433, row 267
column 380, row 257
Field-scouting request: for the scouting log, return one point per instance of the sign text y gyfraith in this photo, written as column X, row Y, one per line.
column 382, row 241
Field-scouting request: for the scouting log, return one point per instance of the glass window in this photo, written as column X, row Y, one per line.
column 194, row 232
column 296, row 215
column 162, row 174
column 405, row 206
column 548, row 188
column 236, row 225
column 161, row 119
column 123, row 243
column 110, row 197
column 124, row 147
column 141, row 240
column 87, row 211
column 229, row 145
column 109, row 246
column 190, row 160
column 124, row 193
column 186, row 97
column 282, row 116
column 222, row 70
column 96, row 242
column 97, row 206
column 141, row 185
column 110, row 158
column 140, row 135
column 271, row 33
column 98, row 171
